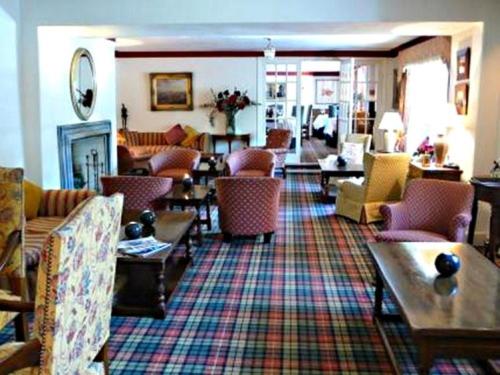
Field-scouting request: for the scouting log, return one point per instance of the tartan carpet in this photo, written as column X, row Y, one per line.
column 301, row 305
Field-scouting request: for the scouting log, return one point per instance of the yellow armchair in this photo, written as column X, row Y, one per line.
column 385, row 179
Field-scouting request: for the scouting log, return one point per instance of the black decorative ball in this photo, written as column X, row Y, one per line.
column 447, row 264
column 148, row 230
column 212, row 163
column 187, row 182
column 341, row 162
column 133, row 230
column 147, row 217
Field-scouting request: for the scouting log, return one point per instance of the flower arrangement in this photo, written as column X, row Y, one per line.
column 230, row 104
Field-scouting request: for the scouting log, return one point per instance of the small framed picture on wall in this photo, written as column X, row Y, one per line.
column 461, row 97
column 326, row 91
column 463, row 64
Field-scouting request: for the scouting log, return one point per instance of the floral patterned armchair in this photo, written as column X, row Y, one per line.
column 11, row 254
column 76, row 274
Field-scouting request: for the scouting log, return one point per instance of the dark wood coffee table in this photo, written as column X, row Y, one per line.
column 205, row 171
column 447, row 317
column 143, row 285
column 329, row 168
column 197, row 196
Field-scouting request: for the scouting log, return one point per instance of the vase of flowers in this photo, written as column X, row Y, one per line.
column 230, row 104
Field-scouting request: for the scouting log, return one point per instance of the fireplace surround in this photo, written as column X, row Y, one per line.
column 90, row 140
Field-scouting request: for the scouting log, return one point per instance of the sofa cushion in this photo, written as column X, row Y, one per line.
column 191, row 136
column 177, row 174
column 145, row 152
column 32, row 198
column 175, row 135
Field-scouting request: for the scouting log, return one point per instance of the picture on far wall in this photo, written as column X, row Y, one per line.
column 463, row 64
column 462, row 98
column 326, row 91
column 171, row 91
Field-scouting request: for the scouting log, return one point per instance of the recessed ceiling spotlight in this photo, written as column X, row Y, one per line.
column 269, row 51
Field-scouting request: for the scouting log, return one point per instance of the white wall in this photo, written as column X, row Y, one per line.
column 55, row 53
column 133, row 89
column 11, row 135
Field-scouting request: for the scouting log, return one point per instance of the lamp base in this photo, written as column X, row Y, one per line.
column 440, row 150
column 389, row 141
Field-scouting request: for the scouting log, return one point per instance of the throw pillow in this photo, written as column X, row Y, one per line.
column 32, row 199
column 175, row 135
column 192, row 136
column 353, row 152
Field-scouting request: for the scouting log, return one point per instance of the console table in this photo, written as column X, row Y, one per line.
column 434, row 172
column 487, row 189
column 230, row 138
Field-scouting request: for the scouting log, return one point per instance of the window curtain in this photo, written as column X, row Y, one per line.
column 425, row 95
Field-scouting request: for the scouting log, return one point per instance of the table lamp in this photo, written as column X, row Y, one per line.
column 447, row 118
column 391, row 123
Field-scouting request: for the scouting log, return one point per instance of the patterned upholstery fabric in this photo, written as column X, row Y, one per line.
column 251, row 159
column 140, row 193
column 248, row 206
column 181, row 160
column 365, row 139
column 278, row 141
column 62, row 202
column 431, row 210
column 76, row 275
column 385, row 178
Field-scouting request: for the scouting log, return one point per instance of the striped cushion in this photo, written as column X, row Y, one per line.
column 152, row 139
column 36, row 232
column 62, row 202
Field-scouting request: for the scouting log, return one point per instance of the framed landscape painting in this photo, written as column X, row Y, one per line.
column 463, row 64
column 326, row 91
column 171, row 91
column 461, row 98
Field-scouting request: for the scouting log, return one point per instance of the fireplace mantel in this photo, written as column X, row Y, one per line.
column 68, row 134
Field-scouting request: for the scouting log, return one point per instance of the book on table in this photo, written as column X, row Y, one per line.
column 142, row 247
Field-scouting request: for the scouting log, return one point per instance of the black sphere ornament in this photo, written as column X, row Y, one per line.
column 212, row 163
column 133, row 230
column 148, row 230
column 341, row 162
column 187, row 183
column 147, row 217
column 447, row 264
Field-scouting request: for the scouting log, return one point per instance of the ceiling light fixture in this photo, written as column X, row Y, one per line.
column 269, row 51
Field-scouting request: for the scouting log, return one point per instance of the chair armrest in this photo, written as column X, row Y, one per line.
column 156, row 163
column 28, row 355
column 458, row 226
column 270, row 173
column 233, row 166
column 395, row 216
column 17, row 306
column 352, row 190
column 13, row 241
column 61, row 202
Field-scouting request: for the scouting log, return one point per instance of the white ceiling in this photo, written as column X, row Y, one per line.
column 251, row 36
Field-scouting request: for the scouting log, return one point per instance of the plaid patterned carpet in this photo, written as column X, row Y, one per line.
column 299, row 306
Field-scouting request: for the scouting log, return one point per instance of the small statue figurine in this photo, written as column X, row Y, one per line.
column 124, row 116
column 495, row 171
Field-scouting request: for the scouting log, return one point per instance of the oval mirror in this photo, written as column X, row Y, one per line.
column 82, row 83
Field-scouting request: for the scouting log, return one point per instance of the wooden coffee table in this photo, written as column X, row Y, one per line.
column 143, row 285
column 329, row 168
column 447, row 317
column 204, row 171
column 197, row 196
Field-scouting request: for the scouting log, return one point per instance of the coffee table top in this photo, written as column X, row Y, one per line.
column 170, row 227
column 197, row 194
column 329, row 164
column 467, row 304
column 205, row 167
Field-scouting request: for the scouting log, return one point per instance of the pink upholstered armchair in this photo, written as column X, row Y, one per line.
column 248, row 206
column 431, row 211
column 251, row 162
column 174, row 163
column 278, row 141
column 141, row 192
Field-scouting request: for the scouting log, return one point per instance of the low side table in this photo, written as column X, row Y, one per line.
column 204, row 171
column 329, row 168
column 229, row 138
column 197, row 196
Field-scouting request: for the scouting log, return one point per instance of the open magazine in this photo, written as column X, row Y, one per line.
column 142, row 247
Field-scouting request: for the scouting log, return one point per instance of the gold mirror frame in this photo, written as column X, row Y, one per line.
column 74, row 77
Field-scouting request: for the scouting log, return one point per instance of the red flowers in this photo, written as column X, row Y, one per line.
column 227, row 102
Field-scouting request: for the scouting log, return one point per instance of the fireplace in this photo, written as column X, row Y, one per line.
column 84, row 154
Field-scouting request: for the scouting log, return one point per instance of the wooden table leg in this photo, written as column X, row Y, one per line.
column 379, row 296
column 198, row 223
column 472, row 225
column 160, row 289
column 209, row 219
column 425, row 358
column 494, row 240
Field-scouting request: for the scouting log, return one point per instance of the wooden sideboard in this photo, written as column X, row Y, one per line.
column 438, row 173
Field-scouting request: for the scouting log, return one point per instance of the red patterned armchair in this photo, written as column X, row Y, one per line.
column 278, row 141
column 431, row 211
column 140, row 193
column 248, row 206
column 251, row 162
column 174, row 163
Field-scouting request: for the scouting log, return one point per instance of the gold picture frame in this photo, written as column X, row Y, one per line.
column 171, row 91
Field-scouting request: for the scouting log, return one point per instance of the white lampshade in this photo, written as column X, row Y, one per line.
column 391, row 121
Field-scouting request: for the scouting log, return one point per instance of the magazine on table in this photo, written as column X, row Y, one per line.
column 142, row 247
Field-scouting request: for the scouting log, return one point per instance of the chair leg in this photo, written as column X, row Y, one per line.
column 268, row 236
column 103, row 356
column 227, row 237
column 284, row 173
column 20, row 287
